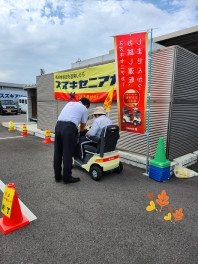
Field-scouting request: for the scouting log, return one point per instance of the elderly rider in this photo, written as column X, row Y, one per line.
column 99, row 123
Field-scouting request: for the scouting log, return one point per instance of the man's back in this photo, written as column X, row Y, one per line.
column 74, row 112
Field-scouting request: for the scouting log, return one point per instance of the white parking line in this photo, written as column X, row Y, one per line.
column 11, row 137
column 28, row 214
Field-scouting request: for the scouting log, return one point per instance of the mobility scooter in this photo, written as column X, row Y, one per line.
column 104, row 157
column 131, row 118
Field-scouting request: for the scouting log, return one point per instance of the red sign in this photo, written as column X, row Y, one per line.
column 132, row 81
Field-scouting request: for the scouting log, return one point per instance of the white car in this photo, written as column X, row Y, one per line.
column 22, row 103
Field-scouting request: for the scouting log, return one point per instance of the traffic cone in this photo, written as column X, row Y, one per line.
column 160, row 155
column 17, row 219
column 11, row 126
column 159, row 167
column 47, row 136
column 24, row 130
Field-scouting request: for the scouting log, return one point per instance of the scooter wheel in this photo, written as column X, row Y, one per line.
column 135, row 123
column 96, row 173
column 119, row 168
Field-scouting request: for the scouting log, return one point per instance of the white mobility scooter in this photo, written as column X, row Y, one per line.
column 104, row 157
column 134, row 118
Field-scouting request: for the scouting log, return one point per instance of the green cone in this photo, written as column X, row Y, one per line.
column 160, row 156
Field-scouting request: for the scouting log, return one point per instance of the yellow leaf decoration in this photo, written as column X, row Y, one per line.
column 163, row 200
column 151, row 207
column 168, row 217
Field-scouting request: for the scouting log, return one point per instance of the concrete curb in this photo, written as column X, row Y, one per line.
column 31, row 129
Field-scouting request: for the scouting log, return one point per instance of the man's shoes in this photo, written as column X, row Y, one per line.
column 71, row 180
column 58, row 179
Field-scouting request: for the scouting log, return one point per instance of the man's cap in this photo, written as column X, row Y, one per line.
column 99, row 111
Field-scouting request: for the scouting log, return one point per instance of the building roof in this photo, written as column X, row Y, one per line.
column 11, row 85
column 32, row 86
column 186, row 38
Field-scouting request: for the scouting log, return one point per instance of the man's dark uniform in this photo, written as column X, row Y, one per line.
column 66, row 139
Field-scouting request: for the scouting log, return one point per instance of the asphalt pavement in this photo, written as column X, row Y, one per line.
column 20, row 118
column 93, row 222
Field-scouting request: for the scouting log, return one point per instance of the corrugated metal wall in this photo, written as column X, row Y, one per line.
column 161, row 83
column 183, row 136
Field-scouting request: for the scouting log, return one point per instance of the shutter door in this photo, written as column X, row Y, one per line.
column 183, row 135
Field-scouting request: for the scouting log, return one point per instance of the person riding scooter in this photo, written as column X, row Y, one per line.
column 93, row 135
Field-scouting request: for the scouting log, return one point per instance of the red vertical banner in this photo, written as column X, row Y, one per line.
column 131, row 62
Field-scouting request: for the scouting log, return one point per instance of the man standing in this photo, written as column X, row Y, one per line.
column 93, row 135
column 66, row 138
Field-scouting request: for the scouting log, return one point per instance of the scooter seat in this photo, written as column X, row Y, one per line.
column 107, row 141
column 90, row 149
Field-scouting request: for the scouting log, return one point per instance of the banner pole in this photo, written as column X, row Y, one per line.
column 147, row 156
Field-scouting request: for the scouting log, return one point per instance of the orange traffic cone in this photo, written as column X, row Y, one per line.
column 17, row 219
column 47, row 136
column 24, row 130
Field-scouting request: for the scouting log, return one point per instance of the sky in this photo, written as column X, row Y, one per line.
column 52, row 34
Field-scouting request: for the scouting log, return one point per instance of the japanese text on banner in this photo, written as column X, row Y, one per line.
column 132, row 81
column 93, row 83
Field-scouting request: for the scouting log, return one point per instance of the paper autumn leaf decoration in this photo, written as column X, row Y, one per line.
column 150, row 196
column 170, row 209
column 151, row 207
column 178, row 215
column 168, row 217
column 162, row 199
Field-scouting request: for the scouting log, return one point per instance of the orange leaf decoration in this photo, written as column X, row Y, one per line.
column 178, row 215
column 150, row 196
column 162, row 199
column 170, row 209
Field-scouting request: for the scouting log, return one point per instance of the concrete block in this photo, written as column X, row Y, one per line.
column 186, row 159
column 196, row 153
column 133, row 163
column 189, row 164
column 40, row 134
column 31, row 132
column 133, row 157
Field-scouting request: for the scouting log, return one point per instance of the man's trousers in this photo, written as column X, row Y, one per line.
column 64, row 147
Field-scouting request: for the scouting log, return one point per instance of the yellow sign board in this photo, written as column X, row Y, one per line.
column 7, row 201
column 93, row 82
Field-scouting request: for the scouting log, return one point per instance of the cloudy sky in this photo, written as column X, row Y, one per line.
column 52, row 34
